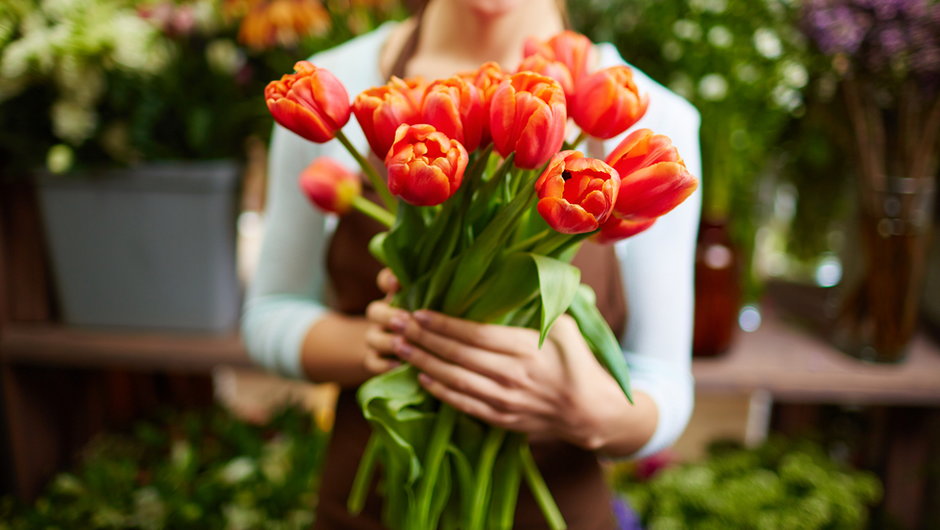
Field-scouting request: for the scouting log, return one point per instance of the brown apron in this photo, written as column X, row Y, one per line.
column 572, row 474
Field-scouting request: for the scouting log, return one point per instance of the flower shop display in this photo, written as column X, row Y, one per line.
column 187, row 470
column 744, row 67
column 486, row 203
column 780, row 484
column 886, row 59
column 133, row 119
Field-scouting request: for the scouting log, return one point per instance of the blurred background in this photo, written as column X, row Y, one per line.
column 132, row 175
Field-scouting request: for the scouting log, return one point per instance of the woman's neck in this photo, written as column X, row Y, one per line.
column 456, row 37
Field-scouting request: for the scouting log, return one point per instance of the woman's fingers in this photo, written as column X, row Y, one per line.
column 505, row 339
column 469, row 404
column 381, row 356
column 496, row 366
column 387, row 281
column 382, row 313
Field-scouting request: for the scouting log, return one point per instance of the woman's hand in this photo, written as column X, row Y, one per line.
column 499, row 375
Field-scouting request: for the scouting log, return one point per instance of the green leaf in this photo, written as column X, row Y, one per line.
column 513, row 282
column 396, row 407
column 558, row 284
column 377, row 247
column 600, row 338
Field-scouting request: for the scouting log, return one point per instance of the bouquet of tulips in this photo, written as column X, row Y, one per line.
column 486, row 204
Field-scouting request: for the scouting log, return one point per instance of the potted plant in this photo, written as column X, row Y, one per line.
column 139, row 112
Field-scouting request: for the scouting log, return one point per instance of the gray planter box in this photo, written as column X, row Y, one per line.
column 146, row 247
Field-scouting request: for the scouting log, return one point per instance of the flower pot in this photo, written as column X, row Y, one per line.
column 880, row 311
column 151, row 246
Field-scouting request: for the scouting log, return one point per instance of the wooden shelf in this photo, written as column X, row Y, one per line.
column 794, row 366
column 48, row 344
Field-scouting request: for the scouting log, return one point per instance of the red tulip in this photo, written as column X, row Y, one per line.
column 310, row 102
column 330, row 186
column 380, row 110
column 549, row 68
column 425, row 167
column 569, row 48
column 653, row 181
column 454, row 108
column 528, row 115
column 576, row 194
column 607, row 102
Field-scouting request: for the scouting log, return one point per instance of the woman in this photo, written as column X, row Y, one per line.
column 560, row 396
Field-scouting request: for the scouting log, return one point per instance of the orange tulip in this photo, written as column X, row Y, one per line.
column 330, row 186
column 380, row 110
column 528, row 115
column 549, row 68
column 607, row 102
column 425, row 167
column 653, row 181
column 310, row 102
column 487, row 79
column 454, row 108
column 576, row 194
column 569, row 48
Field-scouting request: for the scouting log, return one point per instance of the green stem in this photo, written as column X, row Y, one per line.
column 440, row 437
column 543, row 497
column 373, row 210
column 478, row 511
column 526, row 243
column 360, row 486
column 377, row 182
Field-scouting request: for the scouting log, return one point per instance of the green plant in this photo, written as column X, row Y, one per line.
column 742, row 64
column 781, row 484
column 200, row 470
column 104, row 82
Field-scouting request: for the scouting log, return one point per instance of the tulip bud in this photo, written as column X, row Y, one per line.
column 425, row 167
column 607, row 102
column 330, row 186
column 528, row 115
column 487, row 79
column 569, row 48
column 576, row 194
column 653, row 181
column 380, row 110
column 554, row 69
column 454, row 108
column 310, row 102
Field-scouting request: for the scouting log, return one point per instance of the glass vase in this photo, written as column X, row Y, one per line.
column 879, row 311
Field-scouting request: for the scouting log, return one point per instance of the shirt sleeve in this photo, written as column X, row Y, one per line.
column 658, row 268
column 286, row 292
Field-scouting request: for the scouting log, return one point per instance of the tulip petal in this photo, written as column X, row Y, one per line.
column 565, row 217
column 617, row 228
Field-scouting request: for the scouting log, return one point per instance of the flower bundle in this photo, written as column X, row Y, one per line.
column 486, row 204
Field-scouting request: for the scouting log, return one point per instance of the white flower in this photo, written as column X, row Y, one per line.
column 149, row 509
column 72, row 121
column 84, row 82
column 720, row 37
column 60, row 158
column 224, row 57
column 786, row 98
column 767, row 43
column 237, row 470
column 687, row 30
column 713, row 87
column 794, row 74
column 275, row 459
column 672, row 50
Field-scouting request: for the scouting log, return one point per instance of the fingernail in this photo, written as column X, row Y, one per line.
column 402, row 348
column 424, row 378
column 423, row 317
column 398, row 322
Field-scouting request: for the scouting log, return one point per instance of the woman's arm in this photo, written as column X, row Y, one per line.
column 286, row 325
